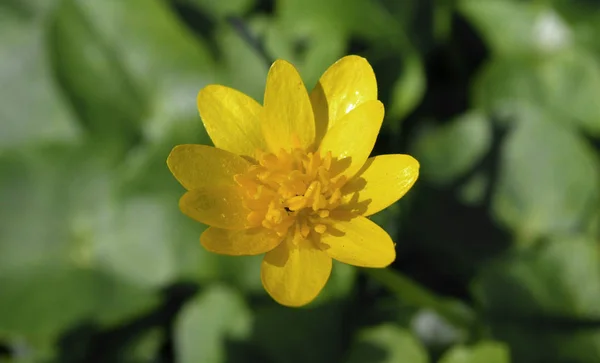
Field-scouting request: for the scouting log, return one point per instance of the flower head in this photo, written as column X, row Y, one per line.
column 293, row 179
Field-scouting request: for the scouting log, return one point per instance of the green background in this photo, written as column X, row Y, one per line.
column 497, row 243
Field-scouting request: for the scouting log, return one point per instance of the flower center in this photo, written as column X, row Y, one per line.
column 292, row 189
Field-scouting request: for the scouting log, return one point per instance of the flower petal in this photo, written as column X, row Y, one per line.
column 288, row 119
column 231, row 119
column 253, row 241
column 359, row 242
column 382, row 181
column 294, row 274
column 216, row 206
column 353, row 137
column 345, row 85
column 200, row 166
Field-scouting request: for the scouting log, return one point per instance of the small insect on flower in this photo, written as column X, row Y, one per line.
column 292, row 179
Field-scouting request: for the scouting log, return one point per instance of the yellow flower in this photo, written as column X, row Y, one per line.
column 293, row 179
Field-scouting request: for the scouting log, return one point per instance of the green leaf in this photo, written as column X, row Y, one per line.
column 250, row 77
column 115, row 106
column 473, row 191
column 33, row 212
column 221, row 9
column 312, row 46
column 412, row 294
column 583, row 17
column 117, row 301
column 543, row 301
column 504, row 84
column 313, row 35
column 142, row 82
column 340, row 284
column 32, row 108
column 434, row 331
column 133, row 239
column 127, row 235
column 448, row 151
column 146, row 346
column 386, row 343
column 561, row 278
column 564, row 84
column 571, row 82
column 65, row 296
column 409, row 89
column 518, row 28
column 53, row 308
column 27, row 8
column 46, row 245
column 548, row 179
column 488, row 352
column 31, row 351
column 207, row 323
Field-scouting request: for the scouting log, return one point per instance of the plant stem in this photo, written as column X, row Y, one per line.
column 411, row 293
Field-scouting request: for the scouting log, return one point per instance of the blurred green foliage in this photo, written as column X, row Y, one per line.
column 498, row 252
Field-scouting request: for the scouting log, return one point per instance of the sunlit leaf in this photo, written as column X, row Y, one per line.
column 548, row 178
column 488, row 352
column 448, row 151
column 206, row 324
column 139, row 83
column 564, row 84
column 386, row 343
column 544, row 301
column 32, row 108
column 45, row 251
column 518, row 28
column 409, row 89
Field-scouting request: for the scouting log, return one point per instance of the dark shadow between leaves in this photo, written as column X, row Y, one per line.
column 237, row 351
column 90, row 343
column 367, row 352
column 5, row 352
column 313, row 334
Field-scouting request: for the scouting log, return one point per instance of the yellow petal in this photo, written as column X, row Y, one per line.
column 359, row 242
column 353, row 137
column 345, row 85
column 231, row 120
column 382, row 181
column 288, row 119
column 216, row 206
column 253, row 241
column 199, row 166
column 295, row 274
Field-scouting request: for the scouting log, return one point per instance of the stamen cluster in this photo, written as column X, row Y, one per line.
column 291, row 189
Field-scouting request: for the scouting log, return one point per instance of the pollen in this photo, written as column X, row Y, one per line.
column 291, row 192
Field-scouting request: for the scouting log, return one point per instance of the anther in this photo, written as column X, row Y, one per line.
column 324, row 213
column 304, row 230
column 320, row 228
column 291, row 189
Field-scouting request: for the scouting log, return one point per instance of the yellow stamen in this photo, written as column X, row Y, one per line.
column 296, row 203
column 291, row 188
column 320, row 228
